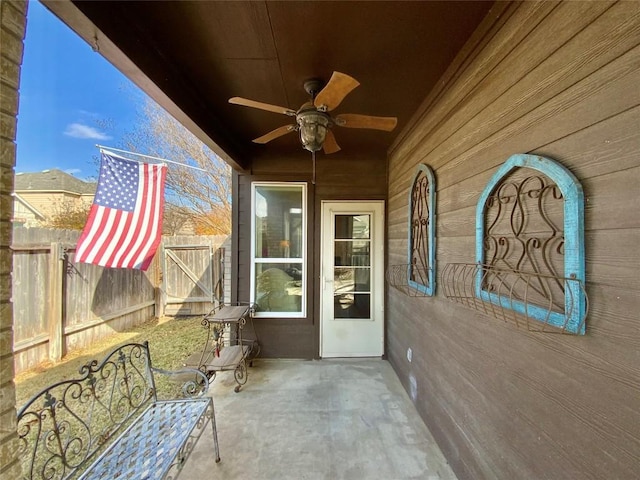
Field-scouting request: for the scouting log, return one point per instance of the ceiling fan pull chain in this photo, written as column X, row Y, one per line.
column 313, row 158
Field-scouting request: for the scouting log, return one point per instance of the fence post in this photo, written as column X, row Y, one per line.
column 56, row 272
column 157, row 282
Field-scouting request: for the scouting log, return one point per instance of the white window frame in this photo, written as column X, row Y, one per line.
column 303, row 260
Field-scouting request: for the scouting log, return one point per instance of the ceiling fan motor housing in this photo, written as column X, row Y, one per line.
column 313, row 126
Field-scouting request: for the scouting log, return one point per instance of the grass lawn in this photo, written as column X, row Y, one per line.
column 171, row 341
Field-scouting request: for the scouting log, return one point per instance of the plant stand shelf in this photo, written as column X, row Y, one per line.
column 225, row 348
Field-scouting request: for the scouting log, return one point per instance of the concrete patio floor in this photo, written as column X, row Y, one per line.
column 329, row 419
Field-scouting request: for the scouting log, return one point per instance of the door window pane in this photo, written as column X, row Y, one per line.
column 352, row 226
column 352, row 253
column 352, row 279
column 349, row 305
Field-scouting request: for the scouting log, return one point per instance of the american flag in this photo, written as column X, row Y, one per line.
column 124, row 227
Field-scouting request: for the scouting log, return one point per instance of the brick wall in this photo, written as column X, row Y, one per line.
column 13, row 22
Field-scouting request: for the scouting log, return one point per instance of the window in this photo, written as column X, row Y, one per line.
column 421, row 267
column 278, row 236
column 530, row 242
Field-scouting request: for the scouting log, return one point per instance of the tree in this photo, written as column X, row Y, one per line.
column 212, row 223
column 175, row 219
column 69, row 215
column 204, row 196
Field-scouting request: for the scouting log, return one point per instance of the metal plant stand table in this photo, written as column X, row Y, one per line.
column 225, row 348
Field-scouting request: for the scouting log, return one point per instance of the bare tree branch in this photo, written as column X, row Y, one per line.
column 205, row 196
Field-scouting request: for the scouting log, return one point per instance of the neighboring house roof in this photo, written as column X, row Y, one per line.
column 28, row 206
column 52, row 181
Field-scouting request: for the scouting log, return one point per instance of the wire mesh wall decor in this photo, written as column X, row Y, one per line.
column 524, row 299
column 403, row 277
column 529, row 248
column 416, row 279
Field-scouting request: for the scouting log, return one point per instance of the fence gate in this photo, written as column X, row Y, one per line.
column 191, row 278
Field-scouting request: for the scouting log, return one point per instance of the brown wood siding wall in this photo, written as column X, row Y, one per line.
column 341, row 176
column 560, row 80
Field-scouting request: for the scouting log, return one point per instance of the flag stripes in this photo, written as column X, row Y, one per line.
column 125, row 221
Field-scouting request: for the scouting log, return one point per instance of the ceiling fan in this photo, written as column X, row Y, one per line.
column 313, row 121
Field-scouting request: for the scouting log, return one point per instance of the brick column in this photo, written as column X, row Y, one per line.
column 13, row 17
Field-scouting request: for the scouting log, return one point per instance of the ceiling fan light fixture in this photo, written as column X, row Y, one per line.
column 313, row 126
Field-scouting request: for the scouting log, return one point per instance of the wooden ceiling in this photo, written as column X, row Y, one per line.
column 192, row 56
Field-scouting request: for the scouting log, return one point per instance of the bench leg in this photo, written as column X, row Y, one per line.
column 214, row 431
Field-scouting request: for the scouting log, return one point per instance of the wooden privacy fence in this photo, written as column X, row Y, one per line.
column 60, row 305
column 193, row 273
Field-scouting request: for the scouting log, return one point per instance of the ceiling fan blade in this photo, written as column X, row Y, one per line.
column 278, row 132
column 330, row 145
column 353, row 120
column 262, row 106
column 339, row 86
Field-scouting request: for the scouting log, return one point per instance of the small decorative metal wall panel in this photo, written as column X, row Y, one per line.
column 417, row 277
column 529, row 247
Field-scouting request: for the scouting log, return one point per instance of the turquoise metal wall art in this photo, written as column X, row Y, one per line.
column 416, row 278
column 422, row 201
column 530, row 227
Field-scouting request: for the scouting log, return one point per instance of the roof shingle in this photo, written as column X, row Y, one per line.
column 52, row 180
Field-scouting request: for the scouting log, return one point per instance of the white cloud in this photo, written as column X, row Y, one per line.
column 77, row 130
column 87, row 113
column 72, row 171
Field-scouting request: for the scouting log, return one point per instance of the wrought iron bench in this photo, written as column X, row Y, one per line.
column 109, row 423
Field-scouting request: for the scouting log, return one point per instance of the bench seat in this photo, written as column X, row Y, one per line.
column 154, row 443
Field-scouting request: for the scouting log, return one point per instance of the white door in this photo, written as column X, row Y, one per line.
column 352, row 279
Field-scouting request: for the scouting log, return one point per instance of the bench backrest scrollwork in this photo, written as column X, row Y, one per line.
column 64, row 426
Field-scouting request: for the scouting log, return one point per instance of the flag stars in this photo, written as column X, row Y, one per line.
column 118, row 186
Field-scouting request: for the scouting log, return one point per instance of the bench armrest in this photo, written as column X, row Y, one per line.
column 194, row 382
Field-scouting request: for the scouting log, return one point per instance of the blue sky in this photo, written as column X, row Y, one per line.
column 71, row 99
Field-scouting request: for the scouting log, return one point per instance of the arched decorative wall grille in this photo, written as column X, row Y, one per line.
column 529, row 249
column 416, row 278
